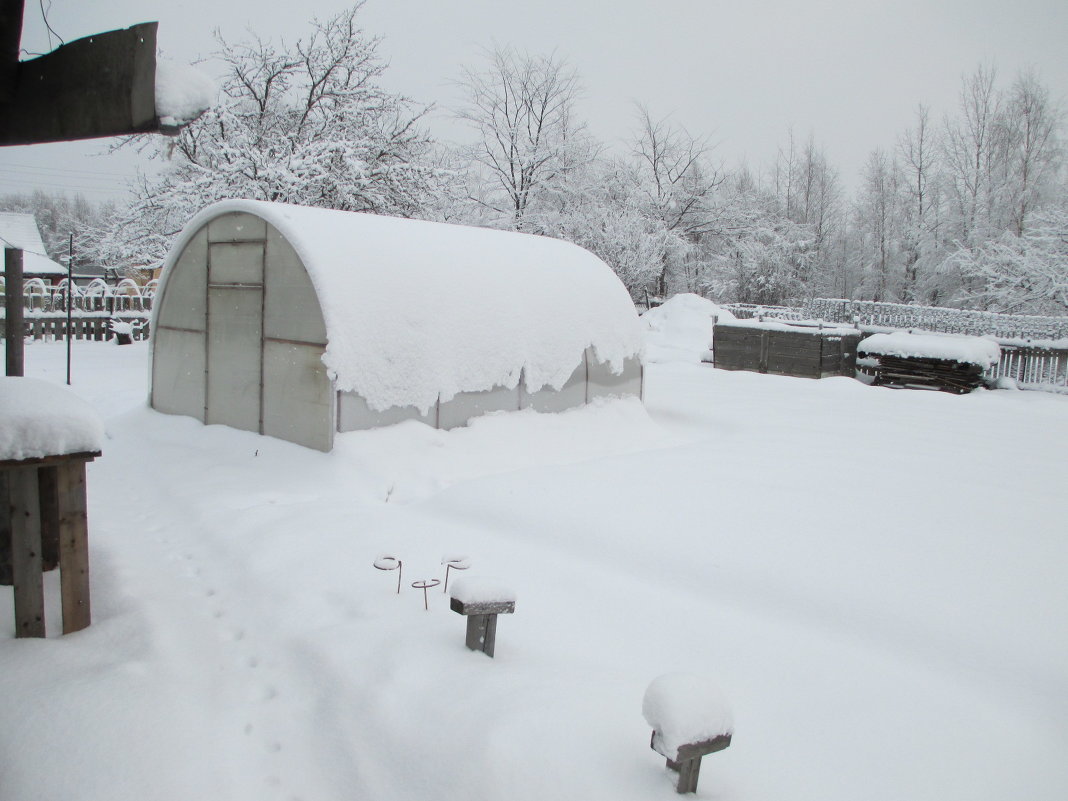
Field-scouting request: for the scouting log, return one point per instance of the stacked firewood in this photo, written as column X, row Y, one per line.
column 942, row 374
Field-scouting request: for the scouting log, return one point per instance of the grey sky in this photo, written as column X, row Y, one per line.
column 744, row 73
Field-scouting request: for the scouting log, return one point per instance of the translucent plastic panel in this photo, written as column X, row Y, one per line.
column 236, row 227
column 459, row 410
column 291, row 307
column 235, row 263
column 298, row 399
column 570, row 395
column 234, row 332
column 354, row 414
column 178, row 372
column 184, row 301
column 602, row 381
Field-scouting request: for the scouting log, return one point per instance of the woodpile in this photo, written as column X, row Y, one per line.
column 927, row 360
column 915, row 372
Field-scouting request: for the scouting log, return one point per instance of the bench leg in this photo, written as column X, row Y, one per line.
column 689, row 770
column 24, row 510
column 482, row 633
column 73, row 548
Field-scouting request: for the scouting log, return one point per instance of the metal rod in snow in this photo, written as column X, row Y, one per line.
column 70, row 296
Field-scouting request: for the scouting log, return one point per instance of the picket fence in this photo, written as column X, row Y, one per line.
column 94, row 309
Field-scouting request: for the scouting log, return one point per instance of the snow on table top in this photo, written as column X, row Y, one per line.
column 680, row 330
column 481, row 590
column 685, row 708
column 415, row 310
column 41, row 419
column 951, row 347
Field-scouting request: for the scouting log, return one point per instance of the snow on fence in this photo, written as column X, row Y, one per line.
column 96, row 296
column 1034, row 350
column 937, row 318
column 94, row 308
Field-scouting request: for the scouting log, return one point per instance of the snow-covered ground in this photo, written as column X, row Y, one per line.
column 875, row 578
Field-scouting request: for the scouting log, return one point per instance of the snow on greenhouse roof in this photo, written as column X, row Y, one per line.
column 418, row 309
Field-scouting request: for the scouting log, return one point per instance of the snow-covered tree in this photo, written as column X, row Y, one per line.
column 1019, row 274
column 670, row 169
column 306, row 124
column 527, row 138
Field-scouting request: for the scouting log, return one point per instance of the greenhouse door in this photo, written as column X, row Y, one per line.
column 235, row 335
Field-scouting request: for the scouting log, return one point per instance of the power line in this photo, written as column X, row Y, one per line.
column 63, row 170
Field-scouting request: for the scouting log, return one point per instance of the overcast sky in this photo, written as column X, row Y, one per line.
column 743, row 72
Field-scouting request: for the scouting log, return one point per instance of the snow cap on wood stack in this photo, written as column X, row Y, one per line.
column 685, row 708
column 418, row 310
column 949, row 347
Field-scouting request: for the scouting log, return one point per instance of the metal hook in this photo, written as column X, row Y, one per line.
column 391, row 563
column 453, row 563
column 424, row 585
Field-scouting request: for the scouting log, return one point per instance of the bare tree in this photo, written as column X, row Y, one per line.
column 305, row 123
column 1030, row 123
column 522, row 108
column 678, row 184
column 918, row 147
column 970, row 149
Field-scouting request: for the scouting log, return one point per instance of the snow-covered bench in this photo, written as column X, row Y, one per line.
column 690, row 719
column 480, row 600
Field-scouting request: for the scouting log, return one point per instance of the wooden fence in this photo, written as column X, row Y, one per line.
column 83, row 326
column 1034, row 350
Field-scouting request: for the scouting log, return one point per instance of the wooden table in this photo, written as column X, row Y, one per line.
column 43, row 524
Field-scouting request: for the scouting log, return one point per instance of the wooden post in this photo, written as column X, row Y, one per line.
column 74, row 547
column 13, row 324
column 481, row 621
column 689, row 771
column 26, row 552
column 481, row 633
column 6, row 579
column 686, row 759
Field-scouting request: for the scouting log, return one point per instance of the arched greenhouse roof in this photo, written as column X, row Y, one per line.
column 415, row 310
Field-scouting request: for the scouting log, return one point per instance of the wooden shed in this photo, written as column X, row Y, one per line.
column 807, row 350
column 298, row 323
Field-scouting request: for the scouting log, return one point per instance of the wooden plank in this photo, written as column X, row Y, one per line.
column 82, row 456
column 74, row 548
column 482, row 607
column 48, row 496
column 26, row 552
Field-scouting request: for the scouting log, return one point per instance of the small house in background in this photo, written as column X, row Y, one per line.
column 298, row 323
column 19, row 230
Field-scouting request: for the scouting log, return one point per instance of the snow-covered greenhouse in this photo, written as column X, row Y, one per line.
column 298, row 323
